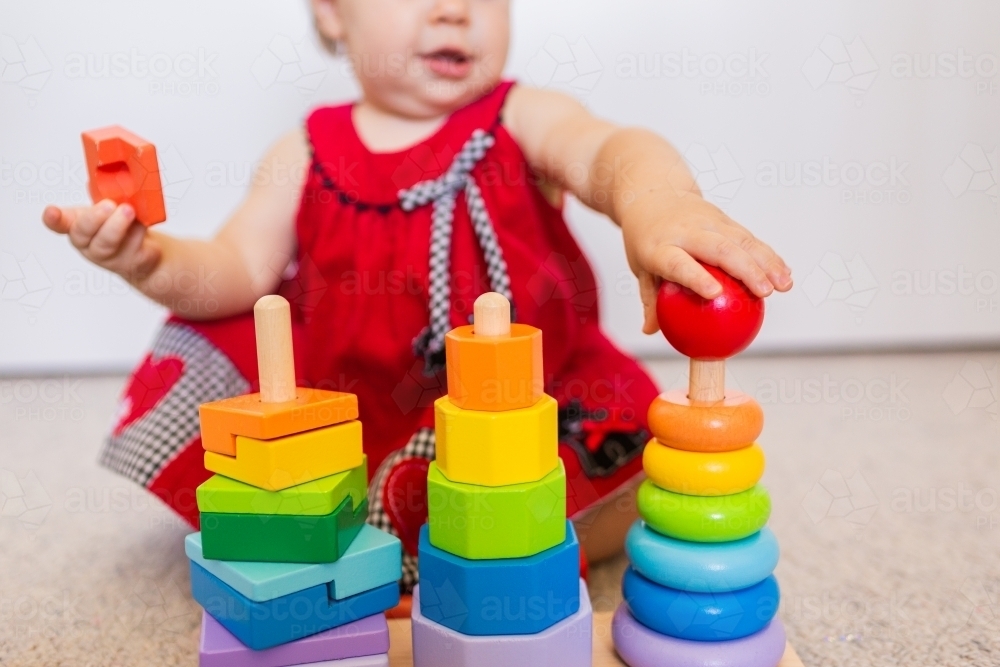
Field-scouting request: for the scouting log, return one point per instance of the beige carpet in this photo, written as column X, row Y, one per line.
column 884, row 473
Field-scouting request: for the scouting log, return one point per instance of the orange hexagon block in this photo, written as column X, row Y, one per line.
column 222, row 421
column 122, row 167
column 494, row 373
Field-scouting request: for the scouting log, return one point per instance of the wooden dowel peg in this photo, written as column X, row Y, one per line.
column 275, row 361
column 491, row 315
column 707, row 381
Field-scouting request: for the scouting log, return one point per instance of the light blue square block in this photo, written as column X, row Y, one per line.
column 374, row 559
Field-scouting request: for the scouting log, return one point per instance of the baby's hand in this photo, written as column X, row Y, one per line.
column 663, row 243
column 108, row 236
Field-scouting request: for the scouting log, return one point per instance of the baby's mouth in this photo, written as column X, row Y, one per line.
column 450, row 63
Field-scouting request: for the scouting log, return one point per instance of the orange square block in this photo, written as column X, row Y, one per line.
column 494, row 373
column 222, row 421
column 122, row 167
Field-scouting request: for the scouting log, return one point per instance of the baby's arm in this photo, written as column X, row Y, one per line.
column 193, row 278
column 641, row 182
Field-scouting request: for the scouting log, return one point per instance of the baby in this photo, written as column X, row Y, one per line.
column 442, row 182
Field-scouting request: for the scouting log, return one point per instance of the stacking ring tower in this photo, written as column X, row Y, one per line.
column 700, row 590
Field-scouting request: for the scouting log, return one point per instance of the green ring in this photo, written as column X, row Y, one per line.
column 704, row 518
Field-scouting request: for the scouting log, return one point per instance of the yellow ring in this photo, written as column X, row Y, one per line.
column 703, row 473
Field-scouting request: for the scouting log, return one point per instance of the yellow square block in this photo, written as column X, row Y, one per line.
column 496, row 448
column 295, row 459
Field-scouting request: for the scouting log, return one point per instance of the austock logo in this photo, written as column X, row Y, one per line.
column 23, row 499
column 737, row 73
column 836, row 496
column 283, row 61
column 974, row 387
column 716, row 172
column 559, row 278
column 149, row 607
column 850, row 282
column 417, row 390
column 24, row 281
column 562, row 64
column 23, row 64
column 976, row 169
column 840, row 63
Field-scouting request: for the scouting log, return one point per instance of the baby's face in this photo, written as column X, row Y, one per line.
column 420, row 58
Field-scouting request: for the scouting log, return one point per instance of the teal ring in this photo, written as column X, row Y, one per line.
column 701, row 567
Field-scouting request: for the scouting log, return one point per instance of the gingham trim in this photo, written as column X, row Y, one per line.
column 144, row 447
column 442, row 192
column 421, row 445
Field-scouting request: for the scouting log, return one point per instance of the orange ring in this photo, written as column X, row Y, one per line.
column 732, row 423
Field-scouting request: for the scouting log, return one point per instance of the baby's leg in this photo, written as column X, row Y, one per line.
column 602, row 528
column 157, row 440
column 603, row 396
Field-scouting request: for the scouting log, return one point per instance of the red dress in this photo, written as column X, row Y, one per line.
column 360, row 298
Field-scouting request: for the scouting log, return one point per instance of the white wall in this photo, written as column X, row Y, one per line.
column 901, row 169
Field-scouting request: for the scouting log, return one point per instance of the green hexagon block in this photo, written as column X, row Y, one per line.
column 317, row 498
column 484, row 522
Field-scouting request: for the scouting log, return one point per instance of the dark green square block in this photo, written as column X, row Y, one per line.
column 282, row 538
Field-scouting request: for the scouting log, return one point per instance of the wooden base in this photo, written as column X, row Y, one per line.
column 401, row 649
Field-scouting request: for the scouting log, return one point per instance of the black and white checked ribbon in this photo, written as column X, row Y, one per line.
column 443, row 192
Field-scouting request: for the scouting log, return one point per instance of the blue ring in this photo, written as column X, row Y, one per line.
column 701, row 567
column 701, row 616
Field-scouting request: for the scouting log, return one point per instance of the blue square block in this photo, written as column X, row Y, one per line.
column 516, row 596
column 262, row 625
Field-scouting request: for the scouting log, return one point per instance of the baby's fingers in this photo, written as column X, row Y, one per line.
column 56, row 220
column 674, row 264
column 85, row 222
column 107, row 241
column 648, row 285
column 715, row 249
column 770, row 262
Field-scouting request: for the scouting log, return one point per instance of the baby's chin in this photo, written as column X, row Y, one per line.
column 429, row 95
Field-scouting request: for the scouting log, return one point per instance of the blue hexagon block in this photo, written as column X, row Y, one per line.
column 700, row 616
column 517, row 596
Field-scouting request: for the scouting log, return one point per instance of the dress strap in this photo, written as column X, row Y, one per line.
column 442, row 192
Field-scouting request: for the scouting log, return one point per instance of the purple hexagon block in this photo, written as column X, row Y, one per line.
column 568, row 643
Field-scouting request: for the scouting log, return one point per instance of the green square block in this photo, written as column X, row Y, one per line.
column 486, row 522
column 317, row 498
column 282, row 538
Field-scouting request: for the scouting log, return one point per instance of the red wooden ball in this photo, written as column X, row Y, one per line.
column 709, row 329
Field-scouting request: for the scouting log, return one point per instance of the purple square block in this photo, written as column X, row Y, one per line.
column 367, row 637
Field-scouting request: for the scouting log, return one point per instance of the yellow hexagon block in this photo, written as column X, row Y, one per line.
column 496, row 448
column 295, row 459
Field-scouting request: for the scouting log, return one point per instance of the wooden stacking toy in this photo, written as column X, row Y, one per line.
column 700, row 589
column 285, row 566
column 122, row 167
column 499, row 563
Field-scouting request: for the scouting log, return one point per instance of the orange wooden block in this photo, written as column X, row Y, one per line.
column 726, row 425
column 247, row 415
column 494, row 373
column 122, row 167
